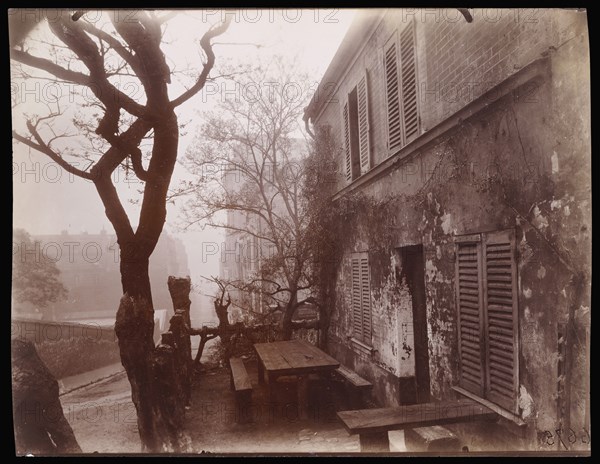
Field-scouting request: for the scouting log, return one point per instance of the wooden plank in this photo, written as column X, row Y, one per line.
column 413, row 416
column 271, row 357
column 322, row 358
column 294, row 357
column 494, row 407
column 300, row 356
column 352, row 377
column 241, row 379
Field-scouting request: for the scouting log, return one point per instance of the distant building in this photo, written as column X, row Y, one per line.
column 89, row 269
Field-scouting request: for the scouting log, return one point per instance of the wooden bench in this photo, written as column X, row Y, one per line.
column 372, row 425
column 358, row 387
column 242, row 386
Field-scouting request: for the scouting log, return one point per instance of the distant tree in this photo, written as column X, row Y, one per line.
column 249, row 160
column 36, row 279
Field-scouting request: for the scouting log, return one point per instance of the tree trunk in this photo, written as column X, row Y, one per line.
column 225, row 331
column 286, row 322
column 134, row 327
column 203, row 340
column 324, row 321
column 134, row 267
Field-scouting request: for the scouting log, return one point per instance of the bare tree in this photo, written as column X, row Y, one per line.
column 80, row 53
column 249, row 161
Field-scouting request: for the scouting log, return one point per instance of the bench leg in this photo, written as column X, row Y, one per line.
column 374, row 442
column 422, row 440
column 243, row 406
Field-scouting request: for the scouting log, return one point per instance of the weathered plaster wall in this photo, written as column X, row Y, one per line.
column 494, row 172
column 522, row 163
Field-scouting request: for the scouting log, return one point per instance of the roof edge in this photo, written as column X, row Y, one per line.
column 362, row 26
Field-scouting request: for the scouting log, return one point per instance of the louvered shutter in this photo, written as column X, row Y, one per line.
column 363, row 124
column 346, row 118
column 365, row 286
column 408, row 79
column 470, row 316
column 356, row 299
column 395, row 139
column 501, row 318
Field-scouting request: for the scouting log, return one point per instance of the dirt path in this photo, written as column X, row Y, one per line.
column 104, row 421
column 276, row 427
column 103, row 417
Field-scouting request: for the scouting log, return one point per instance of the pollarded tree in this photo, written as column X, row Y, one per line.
column 97, row 60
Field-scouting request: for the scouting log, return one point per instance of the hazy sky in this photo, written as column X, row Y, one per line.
column 48, row 200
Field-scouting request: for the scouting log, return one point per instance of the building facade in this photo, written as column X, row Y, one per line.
column 466, row 147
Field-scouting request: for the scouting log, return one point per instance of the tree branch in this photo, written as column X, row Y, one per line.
column 50, row 67
column 210, row 61
column 42, row 147
column 131, row 59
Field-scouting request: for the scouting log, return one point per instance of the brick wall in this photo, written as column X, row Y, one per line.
column 463, row 60
column 456, row 63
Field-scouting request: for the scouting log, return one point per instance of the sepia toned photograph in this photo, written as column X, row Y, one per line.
column 294, row 231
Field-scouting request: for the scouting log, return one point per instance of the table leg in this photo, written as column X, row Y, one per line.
column 261, row 372
column 374, row 442
column 270, row 386
column 303, row 396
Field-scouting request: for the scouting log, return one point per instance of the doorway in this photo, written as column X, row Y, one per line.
column 413, row 273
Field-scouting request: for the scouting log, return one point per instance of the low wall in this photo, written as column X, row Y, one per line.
column 69, row 348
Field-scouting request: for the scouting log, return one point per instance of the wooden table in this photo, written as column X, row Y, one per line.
column 293, row 357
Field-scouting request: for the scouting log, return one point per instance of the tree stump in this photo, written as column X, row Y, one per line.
column 179, row 288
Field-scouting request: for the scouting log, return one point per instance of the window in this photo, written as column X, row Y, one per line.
column 361, row 298
column 486, row 292
column 356, row 131
column 400, row 69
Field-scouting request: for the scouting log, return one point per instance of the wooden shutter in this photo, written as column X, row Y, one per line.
column 501, row 318
column 365, row 287
column 408, row 78
column 346, row 118
column 356, row 299
column 363, row 124
column 361, row 298
column 470, row 316
column 395, row 139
